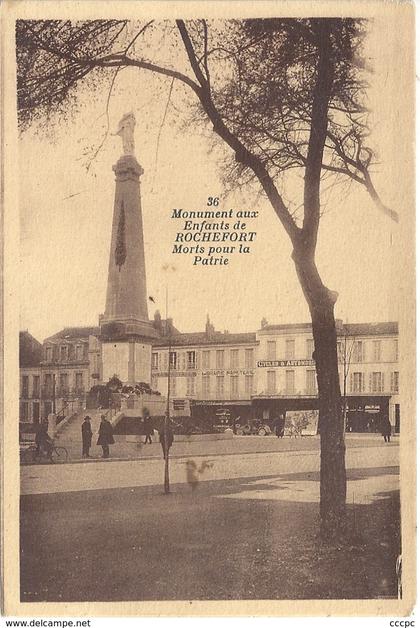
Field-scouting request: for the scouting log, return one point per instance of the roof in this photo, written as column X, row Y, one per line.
column 287, row 327
column 369, row 329
column 69, row 333
column 350, row 329
column 201, row 338
column 30, row 350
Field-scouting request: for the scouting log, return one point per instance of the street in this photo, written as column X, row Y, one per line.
column 233, row 527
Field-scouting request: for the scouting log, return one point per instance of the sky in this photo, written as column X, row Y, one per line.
column 66, row 215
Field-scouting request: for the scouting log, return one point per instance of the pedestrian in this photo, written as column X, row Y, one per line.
column 43, row 440
column 86, row 437
column 386, row 429
column 148, row 426
column 162, row 437
column 278, row 425
column 106, row 437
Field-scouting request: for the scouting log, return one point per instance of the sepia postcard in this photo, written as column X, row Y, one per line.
column 208, row 309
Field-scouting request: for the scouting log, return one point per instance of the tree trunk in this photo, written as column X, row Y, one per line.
column 321, row 303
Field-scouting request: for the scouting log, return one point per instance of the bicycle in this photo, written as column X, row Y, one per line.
column 33, row 454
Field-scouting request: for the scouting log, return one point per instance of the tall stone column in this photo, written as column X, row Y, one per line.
column 126, row 332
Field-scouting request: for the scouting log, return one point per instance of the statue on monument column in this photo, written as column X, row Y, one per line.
column 126, row 132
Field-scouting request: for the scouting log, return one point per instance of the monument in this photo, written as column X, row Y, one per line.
column 126, row 332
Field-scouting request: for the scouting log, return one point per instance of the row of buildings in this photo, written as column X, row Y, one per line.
column 253, row 375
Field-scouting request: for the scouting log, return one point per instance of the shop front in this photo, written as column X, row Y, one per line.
column 366, row 413
column 211, row 412
column 267, row 408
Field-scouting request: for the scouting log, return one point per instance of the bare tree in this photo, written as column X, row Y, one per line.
column 287, row 97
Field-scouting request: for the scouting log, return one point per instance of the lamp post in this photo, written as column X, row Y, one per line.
column 167, row 414
column 167, row 267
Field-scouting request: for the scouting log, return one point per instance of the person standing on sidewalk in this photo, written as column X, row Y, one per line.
column 86, row 437
column 386, row 429
column 148, row 426
column 106, row 436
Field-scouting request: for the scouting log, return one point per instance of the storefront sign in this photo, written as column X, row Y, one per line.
column 175, row 373
column 274, row 363
column 229, row 372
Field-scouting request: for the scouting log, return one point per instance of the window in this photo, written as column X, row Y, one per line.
column 395, row 383
column 35, row 386
column 48, row 383
column 190, row 386
column 357, row 383
column 48, row 354
column 310, row 348
column 155, row 360
column 79, row 352
column 271, row 382
column 220, row 385
column 64, row 382
column 290, row 349
column 249, row 384
column 376, row 382
column 376, row 350
column 25, row 385
column 249, row 358
column 234, row 358
column 35, row 411
column 79, row 382
column 290, row 382
column 358, row 351
column 206, row 386
column 24, row 413
column 311, row 381
column 172, row 391
column 340, row 351
column 206, row 359
column 234, row 379
column 172, row 360
column 396, row 356
column 271, row 350
column 63, row 353
column 220, row 358
column 191, row 360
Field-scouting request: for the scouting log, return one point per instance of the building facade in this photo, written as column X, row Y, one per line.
column 69, row 364
column 368, row 369
column 208, row 371
column 251, row 375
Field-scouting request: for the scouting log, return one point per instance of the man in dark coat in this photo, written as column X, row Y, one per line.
column 148, row 426
column 278, row 425
column 106, row 437
column 386, row 430
column 170, row 434
column 86, row 437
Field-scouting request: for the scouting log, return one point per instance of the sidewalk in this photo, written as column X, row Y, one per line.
column 238, row 445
